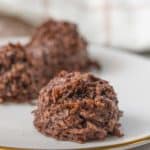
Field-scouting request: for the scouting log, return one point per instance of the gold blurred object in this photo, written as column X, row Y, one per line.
column 12, row 26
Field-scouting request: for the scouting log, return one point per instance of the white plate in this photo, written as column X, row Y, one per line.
column 130, row 76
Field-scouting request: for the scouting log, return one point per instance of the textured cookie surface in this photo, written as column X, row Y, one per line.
column 77, row 107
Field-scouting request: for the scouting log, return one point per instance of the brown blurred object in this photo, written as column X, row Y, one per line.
column 12, row 26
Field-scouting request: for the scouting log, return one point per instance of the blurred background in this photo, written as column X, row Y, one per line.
column 115, row 23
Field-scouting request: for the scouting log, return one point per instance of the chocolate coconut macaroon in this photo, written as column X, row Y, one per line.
column 77, row 107
column 17, row 83
column 56, row 46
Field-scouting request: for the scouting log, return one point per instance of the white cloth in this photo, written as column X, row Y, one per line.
column 117, row 23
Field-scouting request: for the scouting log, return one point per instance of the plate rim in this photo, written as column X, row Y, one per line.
column 141, row 141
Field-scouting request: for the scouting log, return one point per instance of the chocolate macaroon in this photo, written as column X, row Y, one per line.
column 17, row 83
column 77, row 107
column 56, row 46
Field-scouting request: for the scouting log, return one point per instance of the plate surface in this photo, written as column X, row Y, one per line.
column 130, row 76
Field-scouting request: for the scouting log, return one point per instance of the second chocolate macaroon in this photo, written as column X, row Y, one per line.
column 58, row 45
